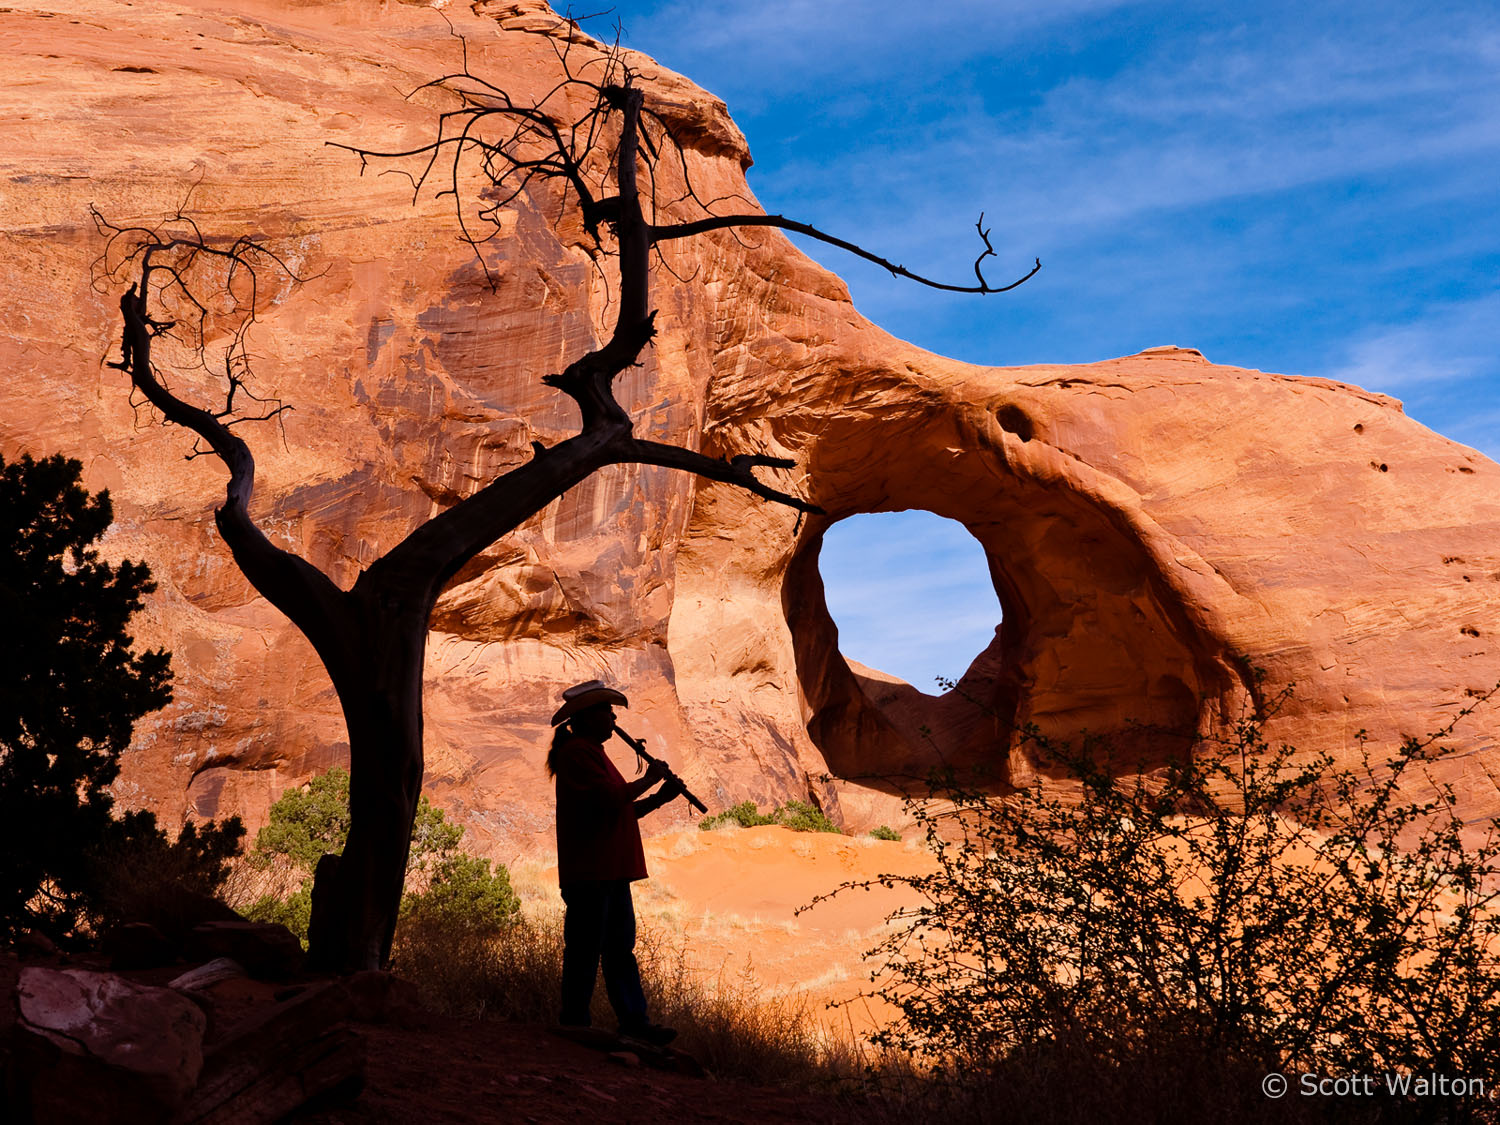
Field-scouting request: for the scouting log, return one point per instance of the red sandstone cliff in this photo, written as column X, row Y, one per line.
column 1152, row 521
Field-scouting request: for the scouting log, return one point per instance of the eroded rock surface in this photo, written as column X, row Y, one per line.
column 1155, row 523
column 95, row 1046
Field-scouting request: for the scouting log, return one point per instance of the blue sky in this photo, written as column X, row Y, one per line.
column 1308, row 188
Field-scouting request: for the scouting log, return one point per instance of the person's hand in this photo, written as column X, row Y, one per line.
column 656, row 769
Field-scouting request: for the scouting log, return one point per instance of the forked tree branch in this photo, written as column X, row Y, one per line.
column 296, row 587
column 736, row 470
column 598, row 157
column 556, row 152
column 781, row 222
column 441, row 547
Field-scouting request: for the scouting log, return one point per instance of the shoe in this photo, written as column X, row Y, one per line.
column 653, row 1033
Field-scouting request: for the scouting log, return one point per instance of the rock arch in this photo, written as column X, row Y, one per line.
column 1094, row 637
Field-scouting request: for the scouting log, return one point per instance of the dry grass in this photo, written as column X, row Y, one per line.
column 738, row 1030
column 1170, row 1080
column 727, row 1022
column 514, row 975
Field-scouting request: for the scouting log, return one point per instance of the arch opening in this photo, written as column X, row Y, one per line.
column 911, row 596
column 1091, row 638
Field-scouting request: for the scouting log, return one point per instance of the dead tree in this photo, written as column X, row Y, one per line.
column 371, row 638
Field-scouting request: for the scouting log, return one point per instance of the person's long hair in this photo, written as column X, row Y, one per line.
column 561, row 734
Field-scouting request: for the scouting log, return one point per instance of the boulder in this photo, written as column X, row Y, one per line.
column 34, row 945
column 207, row 974
column 93, row 1046
column 177, row 911
column 279, row 1058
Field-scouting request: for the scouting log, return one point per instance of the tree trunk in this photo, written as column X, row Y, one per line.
column 372, row 638
column 376, row 665
column 357, row 900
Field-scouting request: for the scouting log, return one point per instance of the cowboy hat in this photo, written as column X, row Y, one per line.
column 582, row 696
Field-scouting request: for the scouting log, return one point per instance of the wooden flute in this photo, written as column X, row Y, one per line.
column 639, row 747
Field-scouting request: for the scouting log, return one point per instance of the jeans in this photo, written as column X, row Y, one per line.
column 599, row 926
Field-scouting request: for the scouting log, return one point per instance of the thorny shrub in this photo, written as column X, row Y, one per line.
column 1278, row 910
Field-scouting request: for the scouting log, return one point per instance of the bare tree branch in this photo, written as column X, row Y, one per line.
column 735, row 470
column 297, row 588
column 593, row 142
column 722, row 222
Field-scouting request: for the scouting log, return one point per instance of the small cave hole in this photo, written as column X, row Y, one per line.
column 1469, row 631
column 1013, row 419
column 911, row 593
column 1465, row 469
column 1359, row 427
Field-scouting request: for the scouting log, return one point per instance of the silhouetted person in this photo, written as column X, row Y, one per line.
column 599, row 855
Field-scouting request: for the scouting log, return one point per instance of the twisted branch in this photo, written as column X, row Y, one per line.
column 721, row 222
column 161, row 266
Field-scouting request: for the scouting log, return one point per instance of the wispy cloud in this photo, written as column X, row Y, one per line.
column 1166, row 132
column 1448, row 343
column 1443, row 363
column 774, row 41
column 1479, row 429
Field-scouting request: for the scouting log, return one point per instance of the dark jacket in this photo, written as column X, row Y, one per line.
column 597, row 832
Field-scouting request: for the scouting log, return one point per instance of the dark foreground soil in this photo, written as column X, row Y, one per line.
column 447, row 1070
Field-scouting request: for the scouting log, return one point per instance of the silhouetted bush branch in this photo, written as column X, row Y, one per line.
column 1290, row 911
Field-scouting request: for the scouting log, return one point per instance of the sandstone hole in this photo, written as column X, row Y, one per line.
column 1092, row 636
column 911, row 595
column 1014, row 419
